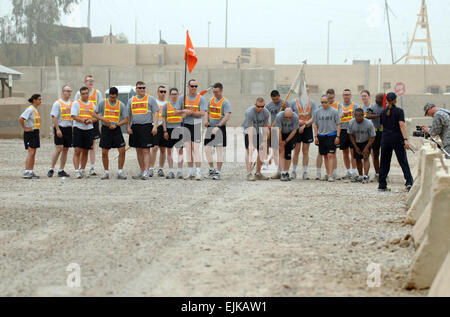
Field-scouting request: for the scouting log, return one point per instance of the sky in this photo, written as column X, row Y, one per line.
column 297, row 29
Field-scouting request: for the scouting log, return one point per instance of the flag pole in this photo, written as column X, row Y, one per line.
column 185, row 80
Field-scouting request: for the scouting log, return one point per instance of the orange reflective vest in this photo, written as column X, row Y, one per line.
column 93, row 97
column 215, row 109
column 112, row 113
column 139, row 106
column 192, row 105
column 304, row 116
column 171, row 117
column 65, row 110
column 347, row 113
column 37, row 118
column 86, row 111
column 335, row 105
column 160, row 117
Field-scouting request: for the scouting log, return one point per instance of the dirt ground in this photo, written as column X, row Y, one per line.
column 179, row 238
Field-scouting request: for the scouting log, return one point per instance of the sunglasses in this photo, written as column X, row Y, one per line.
column 141, row 87
column 89, row 81
column 260, row 107
column 163, row 92
column 193, row 86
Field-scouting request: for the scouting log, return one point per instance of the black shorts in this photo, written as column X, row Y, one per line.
column 345, row 142
column 327, row 145
column 142, row 137
column 376, row 146
column 256, row 141
column 96, row 131
column 66, row 139
column 217, row 140
column 111, row 139
column 32, row 140
column 289, row 146
column 83, row 139
column 306, row 137
column 361, row 146
column 175, row 138
column 159, row 140
column 193, row 133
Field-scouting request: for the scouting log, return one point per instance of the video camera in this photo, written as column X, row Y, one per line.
column 419, row 133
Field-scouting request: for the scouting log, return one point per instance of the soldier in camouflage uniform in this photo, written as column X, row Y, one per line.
column 441, row 124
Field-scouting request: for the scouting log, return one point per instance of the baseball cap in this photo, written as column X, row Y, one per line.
column 427, row 107
column 391, row 96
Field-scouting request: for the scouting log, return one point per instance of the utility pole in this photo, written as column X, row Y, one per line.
column 135, row 31
column 110, row 34
column 390, row 34
column 226, row 24
column 89, row 14
column 328, row 46
column 209, row 33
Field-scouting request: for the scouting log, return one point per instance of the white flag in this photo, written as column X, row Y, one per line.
column 303, row 93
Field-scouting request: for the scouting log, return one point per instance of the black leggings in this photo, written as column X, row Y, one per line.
column 402, row 158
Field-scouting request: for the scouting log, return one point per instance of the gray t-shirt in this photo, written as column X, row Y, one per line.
column 376, row 110
column 76, row 112
column 100, row 109
column 294, row 106
column 274, row 109
column 327, row 120
column 143, row 118
column 161, row 105
column 287, row 126
column 363, row 131
column 164, row 114
column 99, row 96
column 203, row 106
column 344, row 125
column 226, row 108
column 255, row 119
column 28, row 116
column 56, row 112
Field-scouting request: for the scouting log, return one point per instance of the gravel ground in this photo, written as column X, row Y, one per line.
column 179, row 238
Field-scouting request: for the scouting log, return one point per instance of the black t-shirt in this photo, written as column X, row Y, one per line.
column 391, row 125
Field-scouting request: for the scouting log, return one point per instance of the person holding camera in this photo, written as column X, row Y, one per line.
column 394, row 138
column 441, row 124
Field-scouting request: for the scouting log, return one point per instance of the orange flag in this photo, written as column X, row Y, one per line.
column 190, row 55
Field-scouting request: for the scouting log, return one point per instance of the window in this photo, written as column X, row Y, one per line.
column 246, row 52
column 447, row 90
column 387, row 86
column 283, row 89
column 434, row 89
column 313, row 89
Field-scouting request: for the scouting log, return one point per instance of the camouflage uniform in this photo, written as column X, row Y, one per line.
column 441, row 127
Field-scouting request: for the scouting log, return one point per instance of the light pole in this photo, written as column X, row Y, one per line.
column 226, row 25
column 328, row 46
column 209, row 33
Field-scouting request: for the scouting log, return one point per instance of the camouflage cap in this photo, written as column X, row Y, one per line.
column 427, row 107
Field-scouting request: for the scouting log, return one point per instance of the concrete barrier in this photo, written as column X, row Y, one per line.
column 436, row 241
column 441, row 284
column 423, row 196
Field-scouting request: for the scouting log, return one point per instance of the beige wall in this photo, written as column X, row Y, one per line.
column 341, row 77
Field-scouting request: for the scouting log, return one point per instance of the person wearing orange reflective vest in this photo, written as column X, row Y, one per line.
column 304, row 136
column 113, row 114
column 30, row 121
column 219, row 114
column 160, row 143
column 196, row 107
column 82, row 113
column 62, row 131
column 95, row 96
column 346, row 112
column 173, row 133
column 142, row 127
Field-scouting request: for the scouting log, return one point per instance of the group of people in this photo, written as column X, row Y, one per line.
column 154, row 124
column 160, row 124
